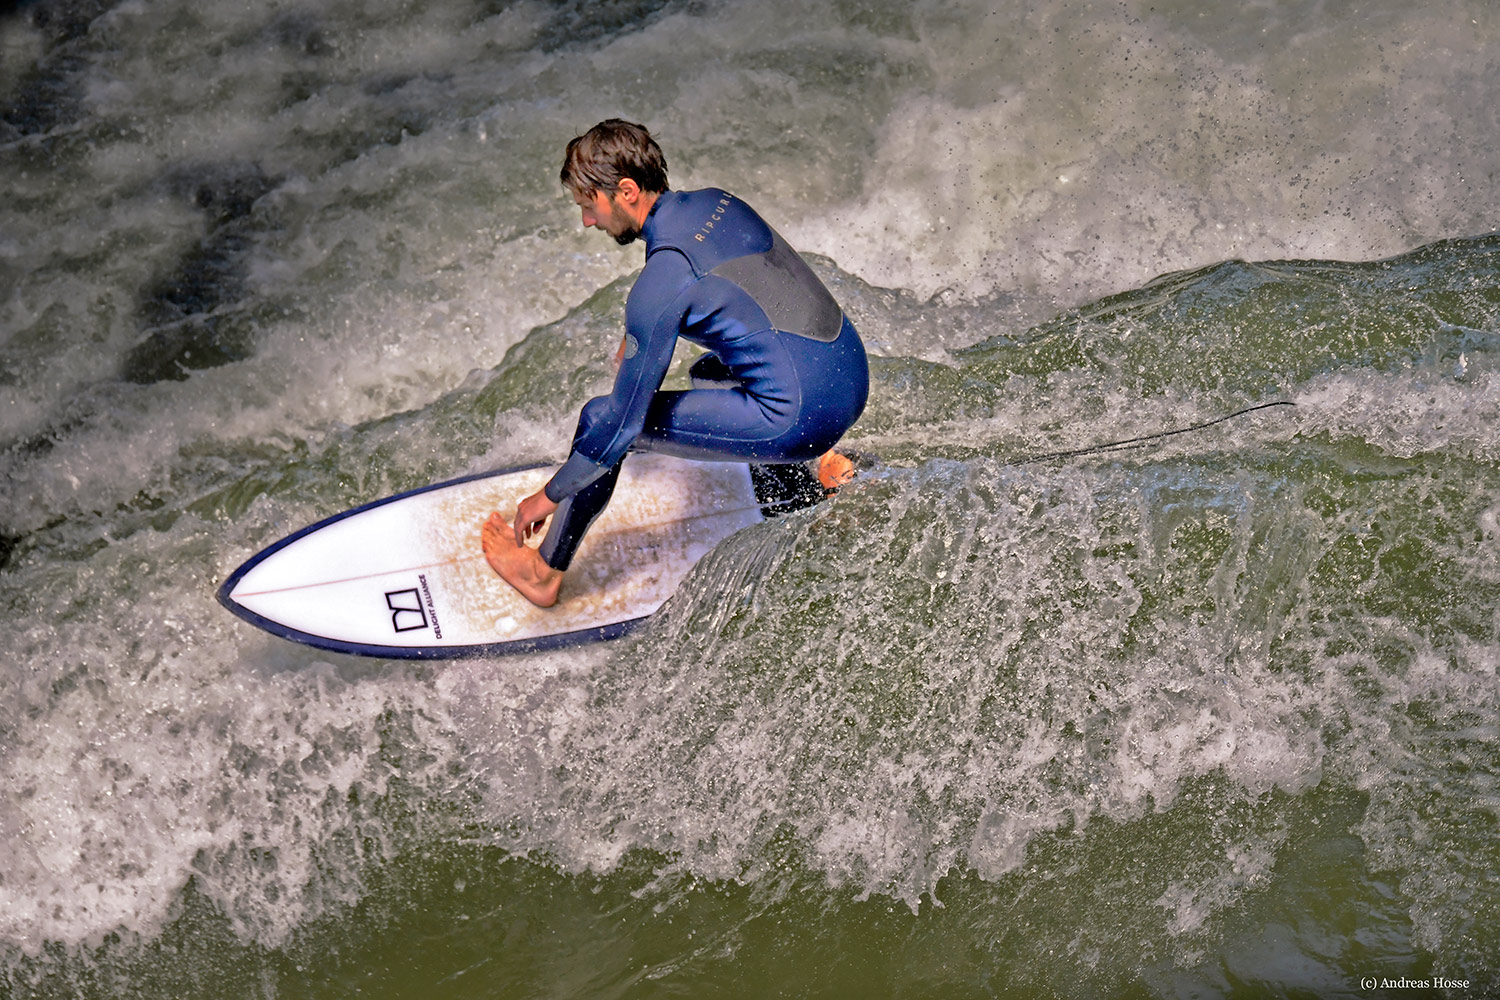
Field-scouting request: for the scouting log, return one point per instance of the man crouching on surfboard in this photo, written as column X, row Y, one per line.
column 784, row 378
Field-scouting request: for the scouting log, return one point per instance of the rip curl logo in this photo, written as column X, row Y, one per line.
column 717, row 217
column 406, row 610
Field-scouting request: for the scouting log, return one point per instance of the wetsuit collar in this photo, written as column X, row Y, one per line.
column 648, row 228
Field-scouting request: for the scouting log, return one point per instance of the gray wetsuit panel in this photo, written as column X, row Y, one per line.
column 784, row 286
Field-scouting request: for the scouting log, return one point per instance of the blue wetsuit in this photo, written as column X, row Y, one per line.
column 789, row 368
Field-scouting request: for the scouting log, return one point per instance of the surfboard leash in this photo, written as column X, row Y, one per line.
column 1145, row 439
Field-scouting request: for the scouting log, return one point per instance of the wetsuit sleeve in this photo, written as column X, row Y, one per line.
column 653, row 317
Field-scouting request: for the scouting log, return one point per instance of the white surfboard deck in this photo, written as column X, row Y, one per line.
column 405, row 576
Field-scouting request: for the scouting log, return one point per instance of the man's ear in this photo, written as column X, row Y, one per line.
column 628, row 191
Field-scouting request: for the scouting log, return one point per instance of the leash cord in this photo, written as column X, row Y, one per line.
column 1144, row 439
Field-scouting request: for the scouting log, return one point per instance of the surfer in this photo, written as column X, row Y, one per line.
column 784, row 377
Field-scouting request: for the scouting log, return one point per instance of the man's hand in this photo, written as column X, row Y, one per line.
column 531, row 514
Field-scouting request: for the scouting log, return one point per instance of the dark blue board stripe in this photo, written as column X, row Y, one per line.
column 537, row 644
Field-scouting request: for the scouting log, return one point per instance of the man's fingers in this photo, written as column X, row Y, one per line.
column 526, row 521
column 525, row 529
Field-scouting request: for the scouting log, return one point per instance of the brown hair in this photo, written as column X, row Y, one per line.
column 608, row 153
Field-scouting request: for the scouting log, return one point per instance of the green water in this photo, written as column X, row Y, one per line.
column 1212, row 716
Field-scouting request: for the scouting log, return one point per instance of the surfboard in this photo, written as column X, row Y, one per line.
column 404, row 577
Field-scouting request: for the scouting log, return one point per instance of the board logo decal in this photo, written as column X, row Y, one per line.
column 437, row 630
column 406, row 610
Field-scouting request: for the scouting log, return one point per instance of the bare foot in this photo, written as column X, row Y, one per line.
column 521, row 566
column 834, row 470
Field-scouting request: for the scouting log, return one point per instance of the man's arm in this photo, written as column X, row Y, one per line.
column 653, row 316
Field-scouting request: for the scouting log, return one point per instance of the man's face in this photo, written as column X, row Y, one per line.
column 602, row 211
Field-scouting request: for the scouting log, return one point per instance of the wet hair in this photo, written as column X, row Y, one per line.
column 608, row 153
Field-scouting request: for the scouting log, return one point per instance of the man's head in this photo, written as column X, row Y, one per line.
column 614, row 172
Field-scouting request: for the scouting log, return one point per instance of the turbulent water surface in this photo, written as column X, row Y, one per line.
column 1210, row 716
